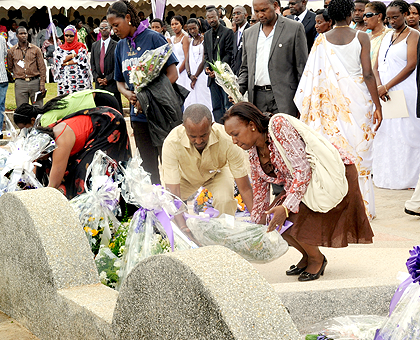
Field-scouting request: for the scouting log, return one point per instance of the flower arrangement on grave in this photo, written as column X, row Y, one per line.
column 247, row 239
column 204, row 200
column 403, row 323
column 17, row 163
column 226, row 79
column 98, row 205
column 149, row 66
column 150, row 231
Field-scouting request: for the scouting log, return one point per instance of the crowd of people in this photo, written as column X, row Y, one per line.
column 329, row 74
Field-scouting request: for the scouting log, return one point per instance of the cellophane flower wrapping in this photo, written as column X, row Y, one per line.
column 147, row 235
column 247, row 239
column 227, row 80
column 99, row 204
column 18, row 160
column 149, row 67
column 361, row 327
column 404, row 321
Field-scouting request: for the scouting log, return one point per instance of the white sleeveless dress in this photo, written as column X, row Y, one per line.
column 397, row 143
column 201, row 93
column 183, row 79
column 334, row 100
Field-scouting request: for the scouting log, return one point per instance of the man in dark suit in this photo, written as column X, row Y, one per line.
column 239, row 16
column 273, row 59
column 300, row 13
column 217, row 40
column 102, row 62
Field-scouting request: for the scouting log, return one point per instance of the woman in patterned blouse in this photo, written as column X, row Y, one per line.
column 344, row 224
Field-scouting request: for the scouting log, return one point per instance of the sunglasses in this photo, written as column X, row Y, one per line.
column 68, row 35
column 369, row 15
column 104, row 28
column 252, row 20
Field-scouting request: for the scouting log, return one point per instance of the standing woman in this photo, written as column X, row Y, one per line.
column 397, row 143
column 194, row 66
column 181, row 45
column 81, row 31
column 413, row 18
column 135, row 40
column 374, row 16
column 323, row 21
column 71, row 64
column 337, row 94
column 345, row 223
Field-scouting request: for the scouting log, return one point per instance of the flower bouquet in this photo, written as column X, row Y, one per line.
column 149, row 66
column 361, row 327
column 98, row 206
column 403, row 322
column 226, row 79
column 249, row 240
column 151, row 230
column 18, row 162
column 203, row 201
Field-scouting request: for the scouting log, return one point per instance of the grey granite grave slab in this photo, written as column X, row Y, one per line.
column 49, row 284
column 44, row 254
column 207, row 293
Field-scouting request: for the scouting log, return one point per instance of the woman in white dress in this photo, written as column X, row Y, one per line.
column 337, row 94
column 180, row 44
column 397, row 144
column 194, row 66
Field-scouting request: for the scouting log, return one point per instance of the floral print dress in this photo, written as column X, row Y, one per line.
column 72, row 78
column 334, row 100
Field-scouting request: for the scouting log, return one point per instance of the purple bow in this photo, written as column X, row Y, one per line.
column 143, row 25
column 211, row 212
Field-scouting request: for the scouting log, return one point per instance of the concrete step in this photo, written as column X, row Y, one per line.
column 359, row 279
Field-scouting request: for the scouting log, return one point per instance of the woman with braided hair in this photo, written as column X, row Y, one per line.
column 337, row 94
column 135, row 40
column 397, row 144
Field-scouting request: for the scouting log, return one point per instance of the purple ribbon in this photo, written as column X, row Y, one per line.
column 211, row 212
column 142, row 212
column 143, row 25
column 287, row 224
column 413, row 267
column 165, row 220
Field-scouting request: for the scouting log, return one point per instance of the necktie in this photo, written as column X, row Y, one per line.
column 297, row 18
column 239, row 38
column 102, row 58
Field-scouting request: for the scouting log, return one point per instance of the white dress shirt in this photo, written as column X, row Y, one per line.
column 262, row 77
column 240, row 33
column 106, row 42
column 301, row 16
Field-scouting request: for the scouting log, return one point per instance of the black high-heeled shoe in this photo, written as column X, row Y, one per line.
column 295, row 270
column 305, row 276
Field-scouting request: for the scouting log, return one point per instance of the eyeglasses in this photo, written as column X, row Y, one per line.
column 369, row 15
column 253, row 20
column 104, row 28
column 68, row 35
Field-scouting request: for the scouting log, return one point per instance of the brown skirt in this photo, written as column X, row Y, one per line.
column 344, row 224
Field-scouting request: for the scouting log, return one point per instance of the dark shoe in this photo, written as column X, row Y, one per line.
column 295, row 270
column 410, row 212
column 305, row 276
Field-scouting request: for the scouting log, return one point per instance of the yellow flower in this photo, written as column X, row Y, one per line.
column 90, row 219
column 94, row 232
column 111, row 245
column 87, row 229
